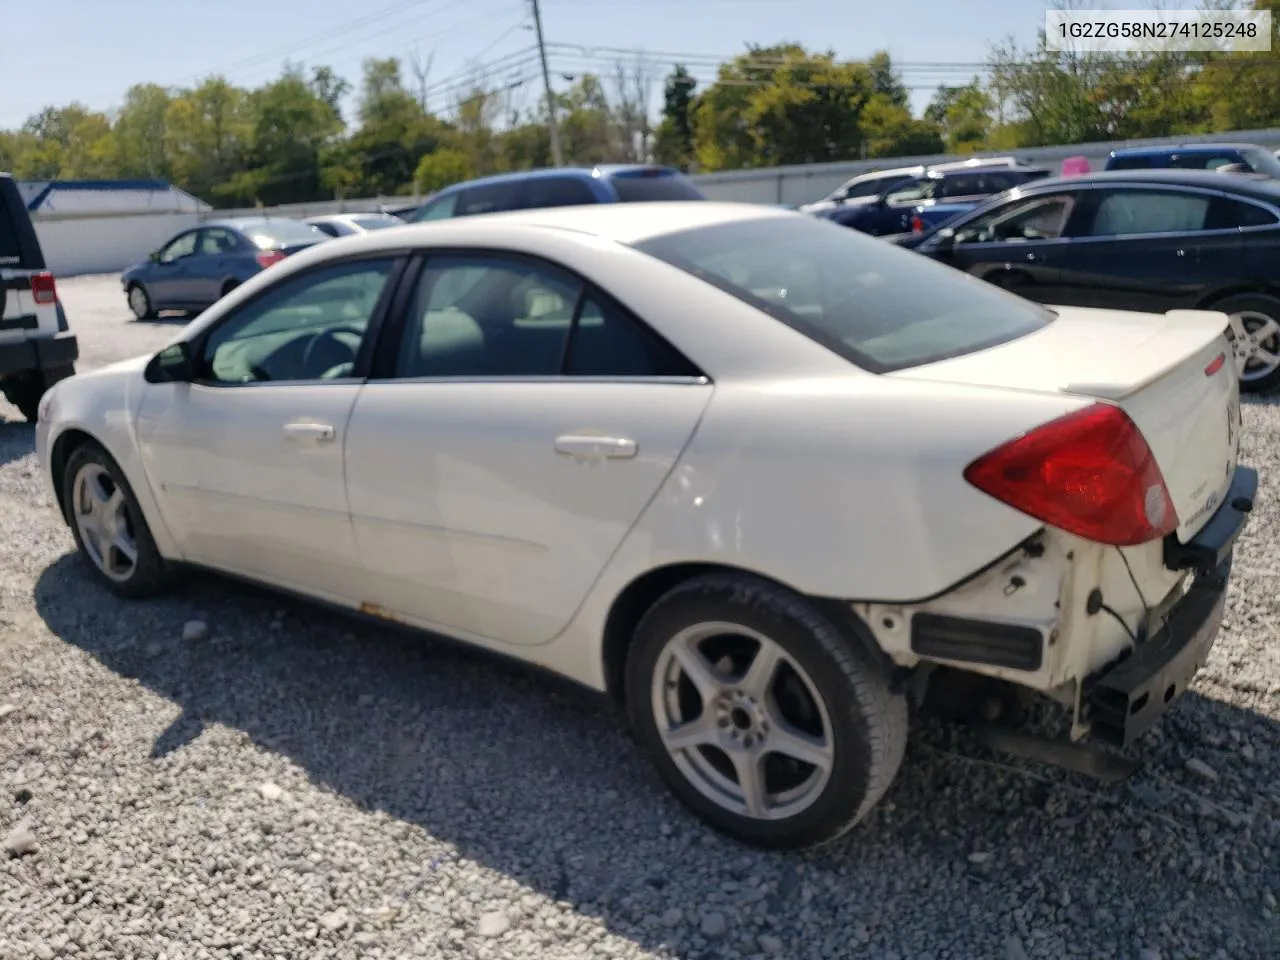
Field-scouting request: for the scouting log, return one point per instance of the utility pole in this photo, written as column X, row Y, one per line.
column 556, row 158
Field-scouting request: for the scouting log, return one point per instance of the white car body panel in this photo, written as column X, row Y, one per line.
column 791, row 462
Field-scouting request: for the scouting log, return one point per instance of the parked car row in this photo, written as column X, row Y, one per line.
column 199, row 266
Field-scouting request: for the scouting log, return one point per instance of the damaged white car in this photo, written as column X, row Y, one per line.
column 754, row 475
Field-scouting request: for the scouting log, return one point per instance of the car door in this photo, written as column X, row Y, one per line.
column 1146, row 248
column 247, row 460
column 1017, row 245
column 521, row 423
column 211, row 266
column 169, row 283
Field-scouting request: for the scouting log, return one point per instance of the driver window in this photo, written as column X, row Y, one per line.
column 184, row 246
column 1044, row 218
column 310, row 327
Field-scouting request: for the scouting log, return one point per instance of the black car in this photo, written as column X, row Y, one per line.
column 889, row 211
column 1148, row 240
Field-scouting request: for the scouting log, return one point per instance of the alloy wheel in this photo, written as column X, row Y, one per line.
column 104, row 522
column 1255, row 342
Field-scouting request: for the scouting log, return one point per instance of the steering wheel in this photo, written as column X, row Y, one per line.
column 339, row 352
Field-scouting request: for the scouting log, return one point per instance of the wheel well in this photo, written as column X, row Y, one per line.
column 1235, row 291
column 643, row 592
column 58, row 457
column 229, row 286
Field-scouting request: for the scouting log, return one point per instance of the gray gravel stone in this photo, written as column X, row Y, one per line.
column 1202, row 770
column 6, row 709
column 21, row 840
column 714, row 926
column 456, row 789
column 194, row 631
column 493, row 925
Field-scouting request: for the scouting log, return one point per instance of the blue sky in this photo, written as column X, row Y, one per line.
column 93, row 50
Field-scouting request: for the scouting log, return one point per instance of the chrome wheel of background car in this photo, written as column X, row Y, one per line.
column 138, row 302
column 742, row 721
column 1255, row 340
column 103, row 520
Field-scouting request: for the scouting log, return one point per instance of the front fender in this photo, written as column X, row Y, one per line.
column 103, row 405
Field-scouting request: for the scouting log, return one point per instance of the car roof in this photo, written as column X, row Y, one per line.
column 1242, row 183
column 604, row 170
column 1181, row 148
column 626, row 223
column 246, row 223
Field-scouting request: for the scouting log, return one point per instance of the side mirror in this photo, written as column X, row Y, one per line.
column 944, row 239
column 173, row 364
column 154, row 256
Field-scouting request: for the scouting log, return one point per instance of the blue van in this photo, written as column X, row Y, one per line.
column 557, row 187
column 1196, row 156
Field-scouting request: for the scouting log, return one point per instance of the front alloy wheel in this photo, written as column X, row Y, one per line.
column 767, row 720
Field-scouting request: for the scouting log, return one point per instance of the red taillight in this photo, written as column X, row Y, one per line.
column 917, row 225
column 1090, row 473
column 43, row 288
column 1216, row 365
column 266, row 258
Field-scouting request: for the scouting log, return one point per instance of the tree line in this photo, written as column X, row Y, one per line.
column 289, row 141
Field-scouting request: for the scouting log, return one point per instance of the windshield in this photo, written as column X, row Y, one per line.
column 1263, row 162
column 878, row 306
column 645, row 187
column 281, row 232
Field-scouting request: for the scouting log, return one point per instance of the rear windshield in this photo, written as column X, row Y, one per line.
column 283, row 232
column 642, row 187
column 878, row 306
column 1263, row 162
column 377, row 222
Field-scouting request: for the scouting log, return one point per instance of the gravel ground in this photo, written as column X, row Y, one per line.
column 295, row 785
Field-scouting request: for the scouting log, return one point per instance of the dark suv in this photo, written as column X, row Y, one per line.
column 557, row 187
column 36, row 348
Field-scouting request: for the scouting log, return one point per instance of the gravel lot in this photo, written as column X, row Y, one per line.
column 297, row 785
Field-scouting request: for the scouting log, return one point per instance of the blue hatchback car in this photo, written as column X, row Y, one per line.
column 201, row 265
column 558, row 187
column 1196, row 156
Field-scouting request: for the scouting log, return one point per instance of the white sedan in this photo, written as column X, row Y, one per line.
column 754, row 475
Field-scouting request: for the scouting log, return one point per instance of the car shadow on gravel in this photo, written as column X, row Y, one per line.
column 17, row 437
column 539, row 781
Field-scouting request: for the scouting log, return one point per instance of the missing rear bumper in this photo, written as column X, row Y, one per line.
column 1126, row 699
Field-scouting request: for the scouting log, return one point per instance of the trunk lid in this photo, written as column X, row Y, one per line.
column 1161, row 369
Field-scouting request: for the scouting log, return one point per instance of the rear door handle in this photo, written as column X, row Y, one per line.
column 595, row 448
column 1031, row 258
column 317, row 432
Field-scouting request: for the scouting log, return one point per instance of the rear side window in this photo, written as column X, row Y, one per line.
column 1229, row 214
column 442, row 208
column 873, row 303
column 10, row 238
column 1202, row 161
column 557, row 192
column 1263, row 161
column 486, row 198
column 1129, row 163
column 645, row 187
column 1128, row 212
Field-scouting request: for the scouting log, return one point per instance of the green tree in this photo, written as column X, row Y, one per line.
column 140, row 132
column 442, row 168
column 206, row 130
column 673, row 144
column 889, row 130
column 962, row 115
column 588, row 130
column 780, row 105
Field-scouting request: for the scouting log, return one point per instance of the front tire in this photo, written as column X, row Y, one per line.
column 1255, row 336
column 109, row 529
column 761, row 716
column 140, row 302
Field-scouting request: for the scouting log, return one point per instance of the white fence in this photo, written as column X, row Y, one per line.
column 79, row 243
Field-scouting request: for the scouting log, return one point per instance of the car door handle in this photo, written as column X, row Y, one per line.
column 1031, row 258
column 317, row 432
column 595, row 448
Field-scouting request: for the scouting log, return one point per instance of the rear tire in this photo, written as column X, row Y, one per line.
column 1255, row 334
column 26, row 389
column 789, row 735
column 140, row 302
column 109, row 528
